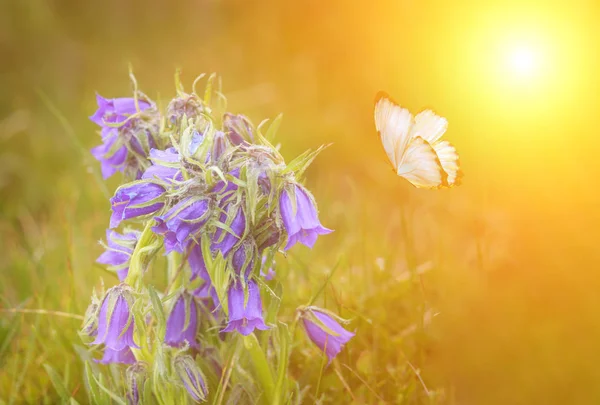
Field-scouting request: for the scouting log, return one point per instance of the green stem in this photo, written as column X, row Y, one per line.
column 261, row 365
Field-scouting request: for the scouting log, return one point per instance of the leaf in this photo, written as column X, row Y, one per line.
column 272, row 131
column 114, row 396
column 57, row 382
column 281, row 381
column 158, row 312
column 261, row 367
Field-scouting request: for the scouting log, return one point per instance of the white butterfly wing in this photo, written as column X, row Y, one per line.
column 393, row 124
column 421, row 165
column 448, row 157
column 429, row 126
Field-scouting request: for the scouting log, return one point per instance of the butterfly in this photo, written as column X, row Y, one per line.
column 414, row 147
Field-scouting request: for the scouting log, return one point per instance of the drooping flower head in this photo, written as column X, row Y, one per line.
column 115, row 321
column 134, row 200
column 245, row 311
column 182, row 324
column 118, row 251
column 323, row 328
column 191, row 377
column 129, row 131
column 136, row 376
column 238, row 128
column 123, row 356
column 300, row 218
column 182, row 223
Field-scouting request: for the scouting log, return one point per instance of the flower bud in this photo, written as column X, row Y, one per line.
column 224, row 240
column 191, row 376
column 136, row 375
column 165, row 166
column 238, row 128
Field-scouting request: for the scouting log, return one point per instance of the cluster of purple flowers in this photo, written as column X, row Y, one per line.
column 218, row 198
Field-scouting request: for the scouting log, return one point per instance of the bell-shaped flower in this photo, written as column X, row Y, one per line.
column 191, row 377
column 123, row 356
column 165, row 166
column 136, row 377
column 300, row 219
column 182, row 223
column 118, row 251
column 123, row 137
column 182, row 323
column 115, row 320
column 324, row 330
column 245, row 312
column 234, row 218
column 134, row 200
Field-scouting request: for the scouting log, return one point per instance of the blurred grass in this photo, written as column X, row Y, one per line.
column 505, row 307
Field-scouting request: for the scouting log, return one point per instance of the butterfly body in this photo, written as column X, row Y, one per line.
column 413, row 145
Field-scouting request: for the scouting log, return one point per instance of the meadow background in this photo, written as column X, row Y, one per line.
column 505, row 309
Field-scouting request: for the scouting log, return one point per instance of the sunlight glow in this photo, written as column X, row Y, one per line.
column 523, row 61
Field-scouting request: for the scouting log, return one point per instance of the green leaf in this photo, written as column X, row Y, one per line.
column 114, row 396
column 273, row 128
column 158, row 312
column 57, row 382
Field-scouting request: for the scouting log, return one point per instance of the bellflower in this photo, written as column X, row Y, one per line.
column 182, row 324
column 118, row 251
column 123, row 356
column 114, row 152
column 135, row 199
column 115, row 321
column 181, row 224
column 165, row 165
column 302, row 223
column 224, row 240
column 244, row 316
column 191, row 377
column 324, row 331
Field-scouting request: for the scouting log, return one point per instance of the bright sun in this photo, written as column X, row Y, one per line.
column 522, row 61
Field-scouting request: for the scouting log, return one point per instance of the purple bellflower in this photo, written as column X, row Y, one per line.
column 244, row 315
column 181, row 224
column 302, row 223
column 182, row 324
column 224, row 240
column 135, row 199
column 324, row 331
column 113, row 153
column 118, row 251
column 115, row 321
column 123, row 356
column 165, row 165
column 238, row 128
column 191, row 377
